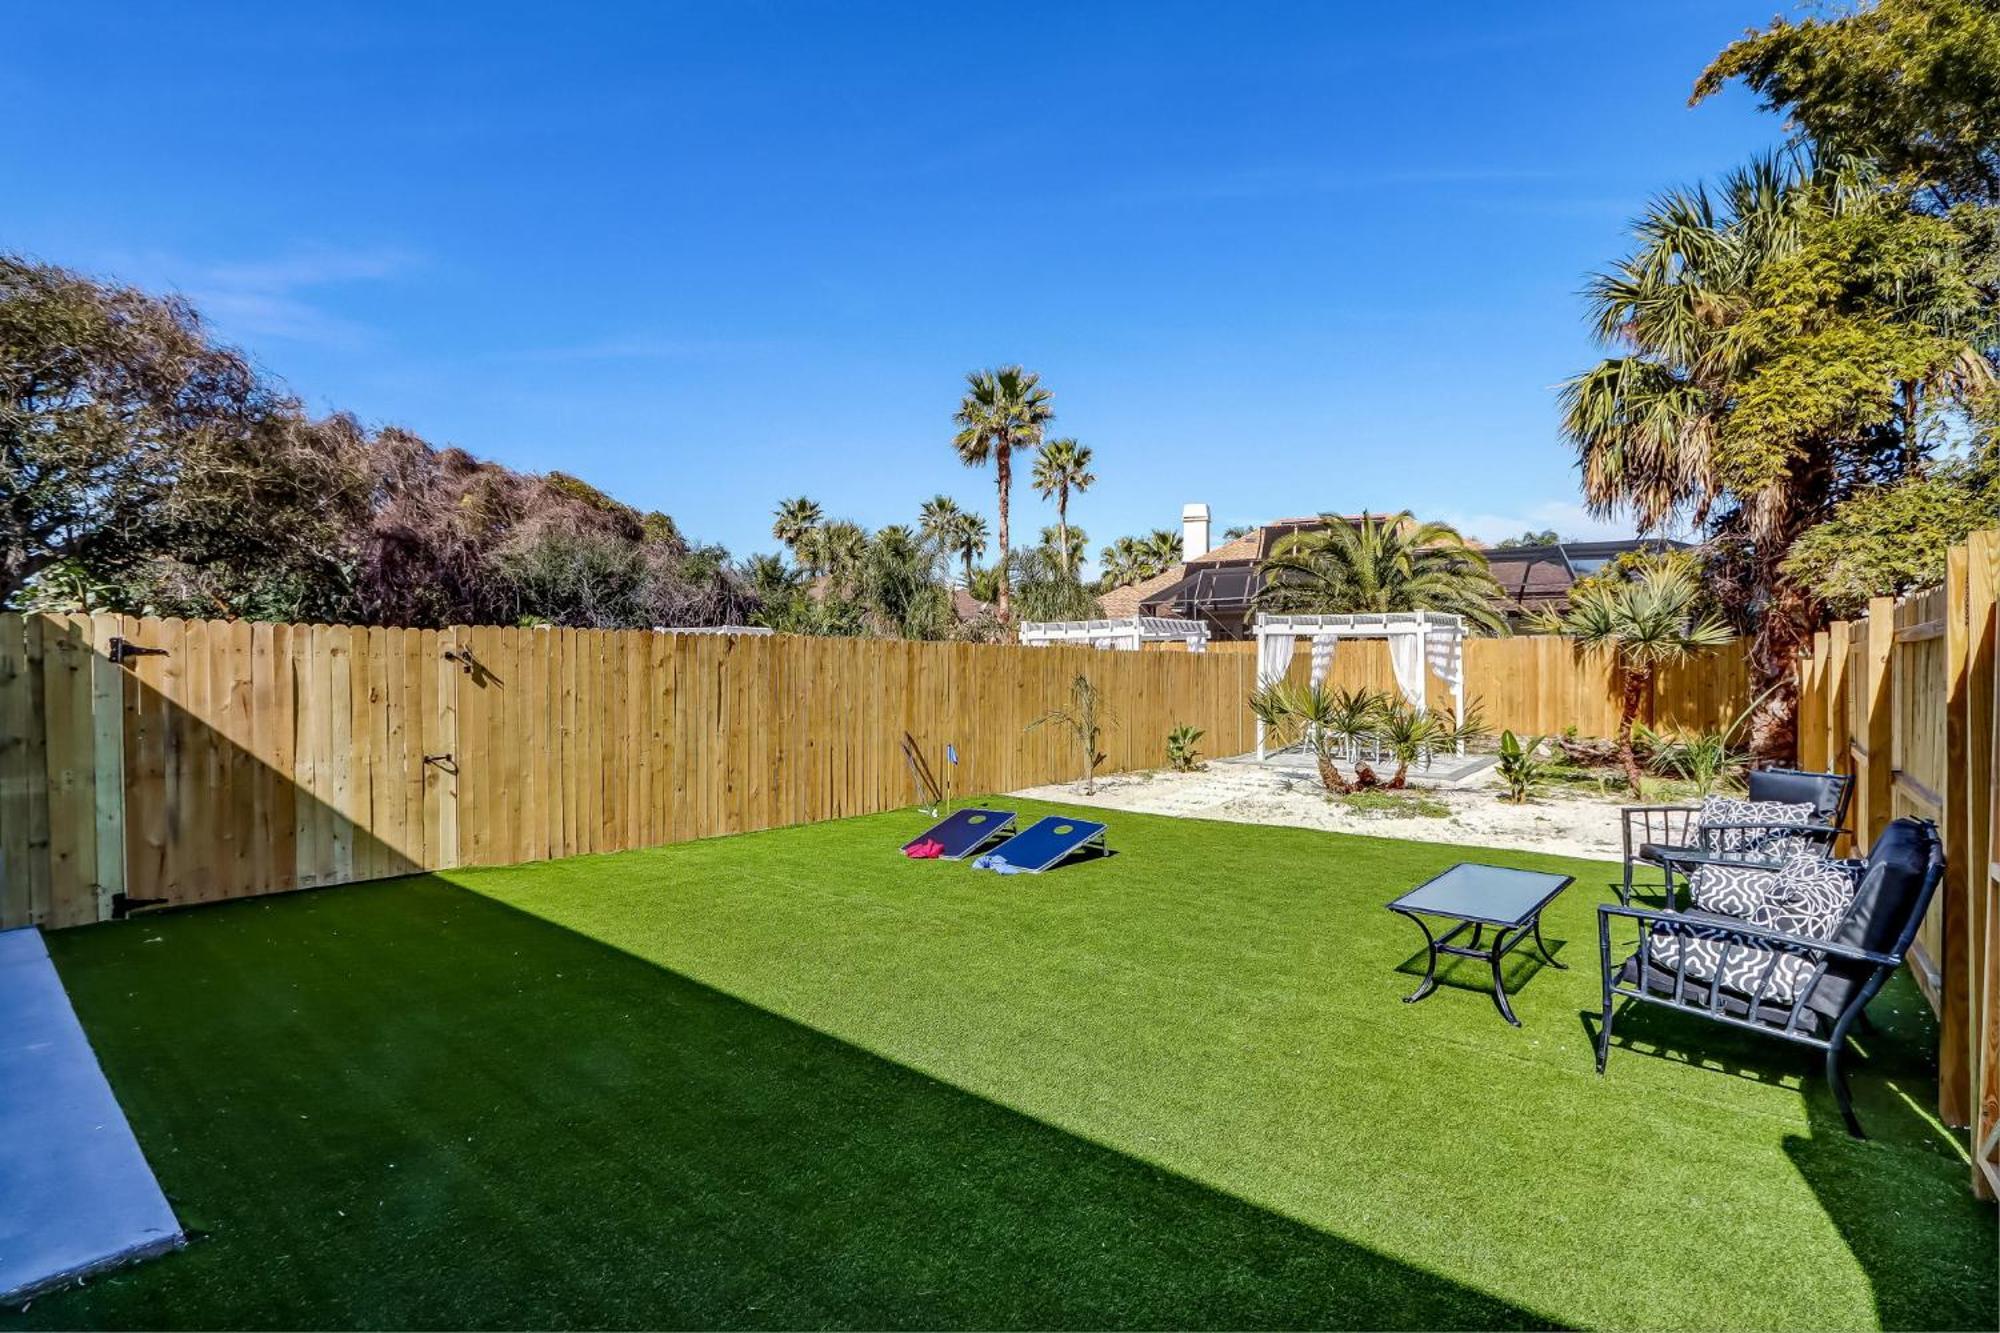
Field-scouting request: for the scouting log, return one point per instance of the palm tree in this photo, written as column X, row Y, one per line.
column 958, row 534
column 1118, row 563
column 1003, row 410
column 795, row 519
column 1380, row 564
column 1769, row 360
column 1067, row 545
column 837, row 550
column 1162, row 547
column 1648, row 622
column 1062, row 467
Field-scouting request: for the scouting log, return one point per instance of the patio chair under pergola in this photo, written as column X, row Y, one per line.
column 1417, row 640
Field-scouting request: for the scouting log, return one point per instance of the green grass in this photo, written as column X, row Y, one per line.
column 791, row 1079
column 1395, row 805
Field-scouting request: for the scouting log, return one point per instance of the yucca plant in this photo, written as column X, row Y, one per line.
column 1704, row 759
column 1407, row 731
column 1297, row 711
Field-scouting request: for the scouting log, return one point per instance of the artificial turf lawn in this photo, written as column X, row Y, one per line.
column 791, row 1079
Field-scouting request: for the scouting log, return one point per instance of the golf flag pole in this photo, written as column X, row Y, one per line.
column 951, row 754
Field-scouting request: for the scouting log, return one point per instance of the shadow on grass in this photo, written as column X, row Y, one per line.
column 1895, row 1222
column 406, row 1105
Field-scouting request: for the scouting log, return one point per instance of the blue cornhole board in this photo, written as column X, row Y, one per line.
column 1048, row 842
column 76, row 1195
column 964, row 832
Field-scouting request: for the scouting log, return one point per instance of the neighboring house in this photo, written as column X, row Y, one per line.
column 1537, row 579
column 1219, row 587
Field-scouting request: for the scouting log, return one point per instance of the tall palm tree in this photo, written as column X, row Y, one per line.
column 795, row 519
column 957, row 534
column 1003, row 410
column 1780, row 335
column 1648, row 622
column 1117, row 563
column 1380, row 564
column 1062, row 468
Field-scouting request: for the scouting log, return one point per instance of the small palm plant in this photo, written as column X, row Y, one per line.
column 1084, row 717
column 1648, row 622
column 1705, row 760
column 1182, row 754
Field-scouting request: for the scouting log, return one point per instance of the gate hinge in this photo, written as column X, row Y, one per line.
column 122, row 648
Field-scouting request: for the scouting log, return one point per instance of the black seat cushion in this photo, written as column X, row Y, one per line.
column 1822, row 791
column 1822, row 1005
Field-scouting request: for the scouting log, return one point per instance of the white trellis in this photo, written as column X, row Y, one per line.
column 755, row 630
column 1417, row 640
column 1128, row 635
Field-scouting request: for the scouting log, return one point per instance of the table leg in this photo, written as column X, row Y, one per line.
column 1429, row 982
column 1499, row 990
column 1545, row 948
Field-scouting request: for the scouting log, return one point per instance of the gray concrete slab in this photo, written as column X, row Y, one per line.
column 76, row 1194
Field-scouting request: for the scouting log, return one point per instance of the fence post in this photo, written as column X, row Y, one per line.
column 1874, row 730
column 1981, row 961
column 1954, row 1071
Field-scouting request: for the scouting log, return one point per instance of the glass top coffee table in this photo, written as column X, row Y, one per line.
column 1481, row 898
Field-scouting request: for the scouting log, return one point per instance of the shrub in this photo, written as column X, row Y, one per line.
column 1182, row 756
column 1522, row 767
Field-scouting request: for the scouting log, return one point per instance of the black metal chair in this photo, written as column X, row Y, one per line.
column 1893, row 889
column 1674, row 838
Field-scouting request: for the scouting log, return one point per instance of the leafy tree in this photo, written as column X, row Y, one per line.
column 1789, row 337
column 902, row 597
column 1062, row 468
column 1002, row 410
column 111, row 401
column 794, row 522
column 1648, row 622
column 1546, row 537
column 1046, row 587
column 1888, row 540
column 1380, row 564
column 1912, row 86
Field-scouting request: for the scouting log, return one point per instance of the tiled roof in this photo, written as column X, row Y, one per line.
column 1123, row 601
column 967, row 607
column 1242, row 548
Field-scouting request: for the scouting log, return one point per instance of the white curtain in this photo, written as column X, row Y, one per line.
column 1447, row 657
column 1274, row 657
column 1322, row 651
column 1406, row 659
column 1196, row 643
column 1105, row 642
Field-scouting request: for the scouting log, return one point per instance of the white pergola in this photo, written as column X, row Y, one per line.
column 758, row 630
column 1417, row 640
column 1129, row 635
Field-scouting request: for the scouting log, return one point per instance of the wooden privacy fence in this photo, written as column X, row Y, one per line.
column 1537, row 685
column 185, row 762
column 1904, row 698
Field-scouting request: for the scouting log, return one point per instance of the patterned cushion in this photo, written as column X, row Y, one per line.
column 1807, row 896
column 1729, row 890
column 1761, row 843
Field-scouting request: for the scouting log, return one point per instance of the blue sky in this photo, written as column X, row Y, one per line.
column 1274, row 257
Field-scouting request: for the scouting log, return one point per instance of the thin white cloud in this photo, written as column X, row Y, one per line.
column 274, row 297
column 1570, row 520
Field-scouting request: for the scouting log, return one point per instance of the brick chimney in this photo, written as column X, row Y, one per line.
column 1194, row 531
